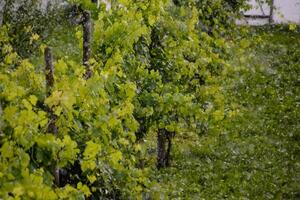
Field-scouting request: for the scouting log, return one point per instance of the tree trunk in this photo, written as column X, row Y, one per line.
column 87, row 37
column 164, row 145
column 49, row 70
column 161, row 148
column 49, row 85
column 271, row 11
column 2, row 6
column 169, row 138
column 52, row 128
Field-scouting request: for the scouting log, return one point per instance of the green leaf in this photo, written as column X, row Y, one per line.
column 7, row 150
column 33, row 100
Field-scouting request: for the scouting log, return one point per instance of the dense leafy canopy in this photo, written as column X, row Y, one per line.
column 162, row 67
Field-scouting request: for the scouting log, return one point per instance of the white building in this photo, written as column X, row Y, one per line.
column 283, row 11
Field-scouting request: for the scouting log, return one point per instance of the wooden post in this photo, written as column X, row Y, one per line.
column 161, row 148
column 85, row 21
column 168, row 153
column 2, row 9
column 271, row 11
column 49, row 86
column 49, row 70
column 87, row 37
column 52, row 128
column 164, row 145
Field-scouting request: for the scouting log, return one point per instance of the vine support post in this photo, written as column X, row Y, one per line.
column 87, row 38
column 271, row 11
column 161, row 148
column 164, row 144
column 2, row 8
column 49, row 70
column 52, row 128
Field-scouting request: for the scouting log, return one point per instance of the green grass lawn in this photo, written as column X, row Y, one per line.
column 256, row 154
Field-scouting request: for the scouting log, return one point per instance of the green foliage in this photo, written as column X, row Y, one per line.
column 158, row 51
column 161, row 72
column 28, row 24
column 95, row 144
column 157, row 65
column 253, row 153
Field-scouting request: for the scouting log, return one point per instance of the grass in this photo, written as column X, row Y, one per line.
column 255, row 155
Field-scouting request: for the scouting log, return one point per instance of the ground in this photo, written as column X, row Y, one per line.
column 255, row 155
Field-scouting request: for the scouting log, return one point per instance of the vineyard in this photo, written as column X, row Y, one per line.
column 155, row 99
